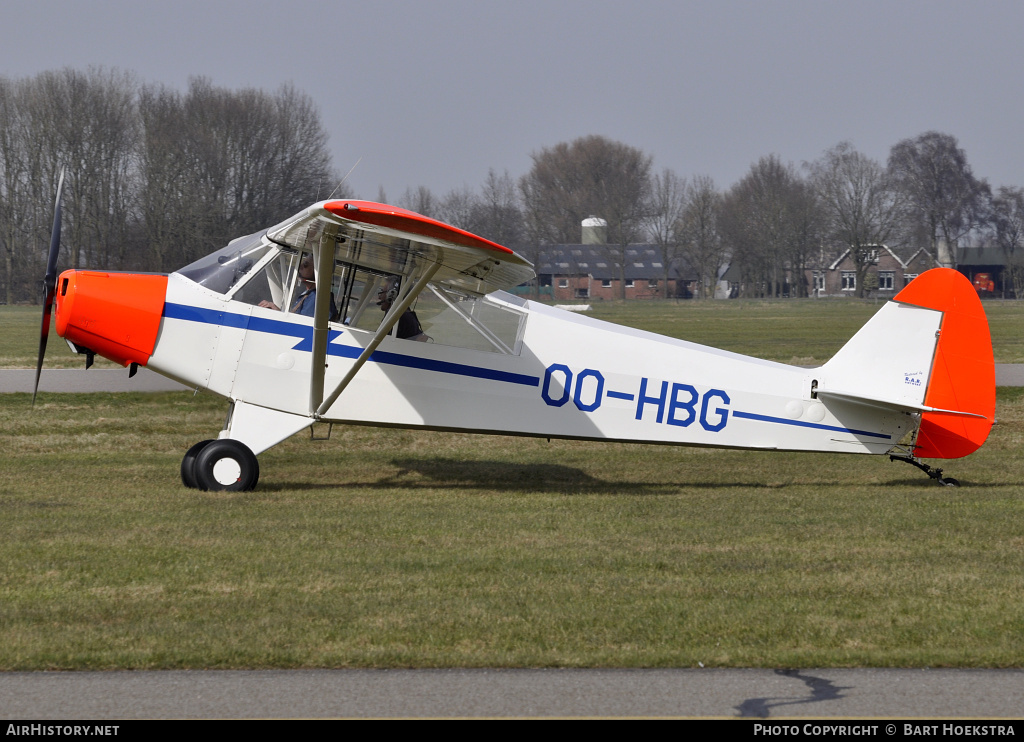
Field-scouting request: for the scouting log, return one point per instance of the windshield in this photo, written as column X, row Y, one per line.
column 221, row 270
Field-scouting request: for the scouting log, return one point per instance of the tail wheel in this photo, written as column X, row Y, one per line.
column 225, row 465
column 188, row 475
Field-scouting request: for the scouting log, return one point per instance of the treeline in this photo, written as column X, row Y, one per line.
column 774, row 224
column 155, row 178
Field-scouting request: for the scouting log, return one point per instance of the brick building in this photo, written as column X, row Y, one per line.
column 593, row 272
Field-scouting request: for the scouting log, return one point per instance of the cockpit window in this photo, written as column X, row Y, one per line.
column 275, row 271
column 222, row 270
column 277, row 282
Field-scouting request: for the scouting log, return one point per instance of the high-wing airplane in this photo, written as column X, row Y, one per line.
column 287, row 324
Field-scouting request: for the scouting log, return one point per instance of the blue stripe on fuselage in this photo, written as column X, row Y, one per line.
column 802, row 424
column 305, row 335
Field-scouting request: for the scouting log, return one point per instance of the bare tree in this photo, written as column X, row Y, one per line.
column 761, row 222
column 943, row 195
column 700, row 236
column 808, row 225
column 861, row 206
column 12, row 173
column 421, row 200
column 458, row 207
column 154, row 178
column 590, row 176
column 216, row 163
column 1008, row 230
column 499, row 214
column 667, row 199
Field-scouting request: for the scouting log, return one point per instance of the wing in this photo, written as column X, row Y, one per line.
column 388, row 239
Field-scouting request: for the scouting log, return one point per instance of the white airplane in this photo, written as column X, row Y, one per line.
column 917, row 381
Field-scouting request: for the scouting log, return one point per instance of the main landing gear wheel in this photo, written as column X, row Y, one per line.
column 188, row 476
column 222, row 465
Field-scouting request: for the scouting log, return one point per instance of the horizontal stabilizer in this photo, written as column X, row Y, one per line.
column 890, row 403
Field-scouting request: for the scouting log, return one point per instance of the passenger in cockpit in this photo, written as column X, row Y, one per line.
column 409, row 327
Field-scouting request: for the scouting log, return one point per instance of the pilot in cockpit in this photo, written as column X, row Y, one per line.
column 305, row 302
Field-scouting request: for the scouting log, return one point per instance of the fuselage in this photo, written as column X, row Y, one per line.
column 569, row 376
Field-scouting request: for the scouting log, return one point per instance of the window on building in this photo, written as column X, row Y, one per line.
column 606, row 283
column 908, row 277
column 849, row 281
column 818, row 278
column 629, row 283
column 582, row 293
column 652, row 283
column 886, row 280
column 563, row 283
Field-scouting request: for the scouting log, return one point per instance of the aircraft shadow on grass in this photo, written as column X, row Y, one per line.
column 502, row 476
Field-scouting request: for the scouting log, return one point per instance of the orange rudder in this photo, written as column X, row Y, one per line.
column 963, row 372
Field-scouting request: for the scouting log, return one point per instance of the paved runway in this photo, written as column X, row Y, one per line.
column 80, row 380
column 116, row 380
column 858, row 693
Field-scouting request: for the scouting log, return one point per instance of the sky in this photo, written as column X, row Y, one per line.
column 438, row 92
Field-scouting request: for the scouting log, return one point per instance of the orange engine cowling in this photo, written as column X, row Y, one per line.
column 115, row 315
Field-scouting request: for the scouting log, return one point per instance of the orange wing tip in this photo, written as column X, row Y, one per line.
column 963, row 375
column 403, row 220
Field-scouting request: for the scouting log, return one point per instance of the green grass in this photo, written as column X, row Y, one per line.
column 19, row 342
column 385, row 548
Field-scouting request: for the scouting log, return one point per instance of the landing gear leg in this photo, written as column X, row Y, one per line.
column 930, row 471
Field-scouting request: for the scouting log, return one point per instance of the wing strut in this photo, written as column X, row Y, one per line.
column 321, row 315
column 390, row 321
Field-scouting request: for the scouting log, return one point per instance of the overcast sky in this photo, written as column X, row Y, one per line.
column 436, row 93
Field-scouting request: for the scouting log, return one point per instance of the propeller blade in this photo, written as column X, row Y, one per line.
column 49, row 282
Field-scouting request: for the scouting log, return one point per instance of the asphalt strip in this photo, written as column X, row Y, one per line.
column 510, row 693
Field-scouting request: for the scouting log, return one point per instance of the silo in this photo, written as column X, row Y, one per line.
column 595, row 231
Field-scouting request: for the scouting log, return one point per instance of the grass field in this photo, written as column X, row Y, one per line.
column 415, row 549
column 384, row 548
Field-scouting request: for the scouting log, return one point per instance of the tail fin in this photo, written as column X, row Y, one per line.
column 963, row 375
column 928, row 350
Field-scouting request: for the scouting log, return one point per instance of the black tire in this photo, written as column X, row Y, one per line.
column 226, row 465
column 188, row 475
column 950, row 482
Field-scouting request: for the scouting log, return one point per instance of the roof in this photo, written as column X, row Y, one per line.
column 842, row 256
column 980, row 256
column 643, row 262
